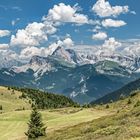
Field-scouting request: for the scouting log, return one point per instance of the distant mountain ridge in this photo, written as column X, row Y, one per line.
column 65, row 71
column 82, row 56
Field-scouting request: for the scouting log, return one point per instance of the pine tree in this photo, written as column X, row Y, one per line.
column 35, row 126
column 107, row 106
column 0, row 107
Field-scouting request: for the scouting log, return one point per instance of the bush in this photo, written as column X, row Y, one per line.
column 134, row 93
column 107, row 131
column 30, row 101
column 86, row 106
column 23, row 95
column 137, row 104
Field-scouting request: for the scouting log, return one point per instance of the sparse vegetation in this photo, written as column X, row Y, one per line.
column 137, row 104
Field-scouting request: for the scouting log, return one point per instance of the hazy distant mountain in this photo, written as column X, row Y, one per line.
column 122, row 92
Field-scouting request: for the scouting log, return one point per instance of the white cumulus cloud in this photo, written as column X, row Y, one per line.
column 65, row 13
column 68, row 42
column 104, row 9
column 99, row 36
column 113, row 23
column 4, row 33
column 109, row 47
column 111, row 44
column 33, row 35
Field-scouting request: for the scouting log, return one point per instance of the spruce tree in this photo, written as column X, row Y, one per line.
column 35, row 126
column 0, row 107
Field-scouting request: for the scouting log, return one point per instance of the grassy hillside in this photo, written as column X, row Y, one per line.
column 14, row 124
column 114, row 121
column 11, row 101
column 15, row 99
column 13, row 120
column 122, row 124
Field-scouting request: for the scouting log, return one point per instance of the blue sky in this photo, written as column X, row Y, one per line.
column 123, row 22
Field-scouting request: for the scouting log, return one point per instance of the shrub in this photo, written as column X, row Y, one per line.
column 134, row 93
column 107, row 131
column 137, row 104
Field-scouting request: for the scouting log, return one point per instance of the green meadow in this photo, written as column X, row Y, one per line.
column 117, row 121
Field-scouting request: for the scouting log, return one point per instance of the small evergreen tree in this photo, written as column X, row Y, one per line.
column 107, row 106
column 0, row 107
column 35, row 126
column 129, row 101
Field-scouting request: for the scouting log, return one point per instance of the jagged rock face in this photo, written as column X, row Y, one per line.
column 68, row 55
column 38, row 60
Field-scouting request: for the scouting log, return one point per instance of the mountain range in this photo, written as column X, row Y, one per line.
column 81, row 76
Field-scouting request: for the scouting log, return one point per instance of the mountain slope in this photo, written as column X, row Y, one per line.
column 81, row 83
column 122, row 92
